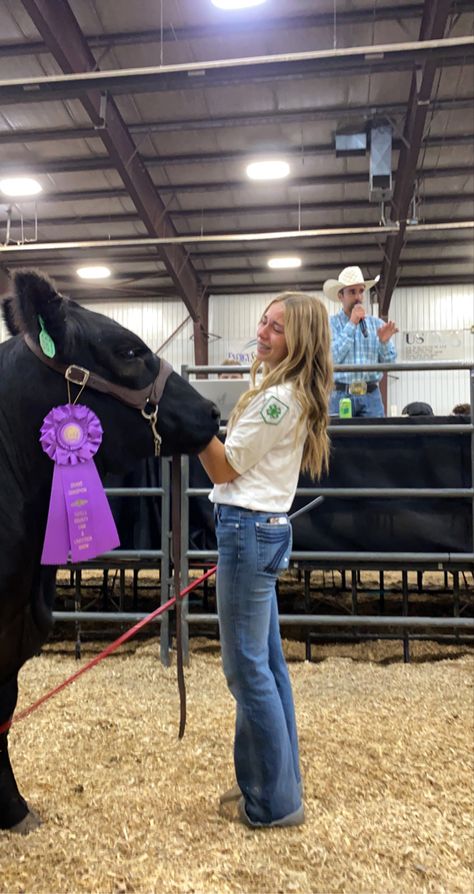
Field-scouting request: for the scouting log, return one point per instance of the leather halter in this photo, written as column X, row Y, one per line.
column 132, row 397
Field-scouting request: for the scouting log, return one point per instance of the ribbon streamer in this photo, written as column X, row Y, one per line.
column 80, row 524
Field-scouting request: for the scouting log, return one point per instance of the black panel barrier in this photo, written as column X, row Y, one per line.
column 138, row 518
column 390, row 522
column 391, row 461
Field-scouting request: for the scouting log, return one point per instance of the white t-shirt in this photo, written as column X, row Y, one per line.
column 262, row 448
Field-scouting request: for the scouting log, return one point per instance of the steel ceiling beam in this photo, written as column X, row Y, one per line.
column 308, row 268
column 206, row 254
column 90, row 195
column 295, row 116
column 145, row 256
column 435, row 17
column 60, row 30
column 311, row 150
column 201, row 75
column 166, row 292
column 296, row 208
column 223, row 185
column 267, row 236
column 226, row 211
column 287, row 208
column 239, row 26
column 283, row 285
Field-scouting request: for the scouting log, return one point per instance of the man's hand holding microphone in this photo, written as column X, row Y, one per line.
column 383, row 332
column 358, row 318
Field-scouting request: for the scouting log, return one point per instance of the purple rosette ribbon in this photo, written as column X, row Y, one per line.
column 80, row 523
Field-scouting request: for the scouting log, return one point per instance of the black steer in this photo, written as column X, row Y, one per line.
column 28, row 391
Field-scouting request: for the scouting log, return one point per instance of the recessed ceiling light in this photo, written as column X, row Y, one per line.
column 236, row 4
column 93, row 272
column 269, row 169
column 20, row 186
column 284, row 263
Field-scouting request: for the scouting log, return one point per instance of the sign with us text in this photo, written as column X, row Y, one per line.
column 447, row 344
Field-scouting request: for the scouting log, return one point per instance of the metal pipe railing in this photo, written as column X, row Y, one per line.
column 333, row 556
column 354, row 621
column 115, row 617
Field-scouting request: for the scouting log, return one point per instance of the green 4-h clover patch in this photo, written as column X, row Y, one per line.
column 273, row 410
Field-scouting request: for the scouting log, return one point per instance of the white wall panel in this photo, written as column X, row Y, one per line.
column 426, row 309
column 155, row 322
column 158, row 323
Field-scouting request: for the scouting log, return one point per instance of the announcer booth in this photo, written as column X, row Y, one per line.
column 398, row 497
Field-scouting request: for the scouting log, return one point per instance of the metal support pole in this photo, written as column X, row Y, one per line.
column 307, row 603
column 184, row 556
column 471, row 396
column 456, row 606
column 406, row 644
column 77, row 608
column 381, row 592
column 165, row 567
column 354, row 591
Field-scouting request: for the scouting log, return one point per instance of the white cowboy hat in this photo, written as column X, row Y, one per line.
column 350, row 276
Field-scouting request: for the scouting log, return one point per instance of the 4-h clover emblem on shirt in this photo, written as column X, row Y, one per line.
column 273, row 410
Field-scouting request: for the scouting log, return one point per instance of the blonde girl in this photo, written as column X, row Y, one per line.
column 278, row 427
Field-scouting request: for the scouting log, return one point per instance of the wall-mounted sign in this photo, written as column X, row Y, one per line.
column 447, row 344
column 242, row 351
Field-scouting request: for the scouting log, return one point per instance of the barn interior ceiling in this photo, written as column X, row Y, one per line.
column 139, row 119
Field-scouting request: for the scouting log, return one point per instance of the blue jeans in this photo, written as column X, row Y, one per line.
column 362, row 405
column 251, row 554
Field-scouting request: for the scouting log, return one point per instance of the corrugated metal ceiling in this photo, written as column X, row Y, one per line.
column 195, row 140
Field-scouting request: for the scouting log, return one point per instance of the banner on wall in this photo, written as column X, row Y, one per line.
column 242, row 351
column 447, row 344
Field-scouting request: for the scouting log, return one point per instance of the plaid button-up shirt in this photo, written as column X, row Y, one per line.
column 351, row 347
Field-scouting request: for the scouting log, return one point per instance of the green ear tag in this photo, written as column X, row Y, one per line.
column 46, row 342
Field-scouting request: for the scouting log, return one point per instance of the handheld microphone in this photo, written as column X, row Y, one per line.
column 363, row 328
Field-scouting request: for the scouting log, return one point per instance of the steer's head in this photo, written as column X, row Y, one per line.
column 186, row 421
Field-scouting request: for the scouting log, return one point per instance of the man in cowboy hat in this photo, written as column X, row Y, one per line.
column 358, row 339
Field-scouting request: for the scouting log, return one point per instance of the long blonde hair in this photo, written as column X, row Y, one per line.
column 308, row 365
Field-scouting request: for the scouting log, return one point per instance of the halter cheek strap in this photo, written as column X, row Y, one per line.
column 138, row 398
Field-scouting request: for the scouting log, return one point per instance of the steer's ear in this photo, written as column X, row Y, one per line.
column 35, row 297
column 5, row 299
column 7, row 313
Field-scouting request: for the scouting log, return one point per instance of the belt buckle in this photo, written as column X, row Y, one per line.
column 358, row 388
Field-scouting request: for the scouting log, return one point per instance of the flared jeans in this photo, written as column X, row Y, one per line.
column 252, row 552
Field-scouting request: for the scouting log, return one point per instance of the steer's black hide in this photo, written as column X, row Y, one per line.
column 28, row 391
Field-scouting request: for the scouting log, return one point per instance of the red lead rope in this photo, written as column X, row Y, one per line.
column 108, row 651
